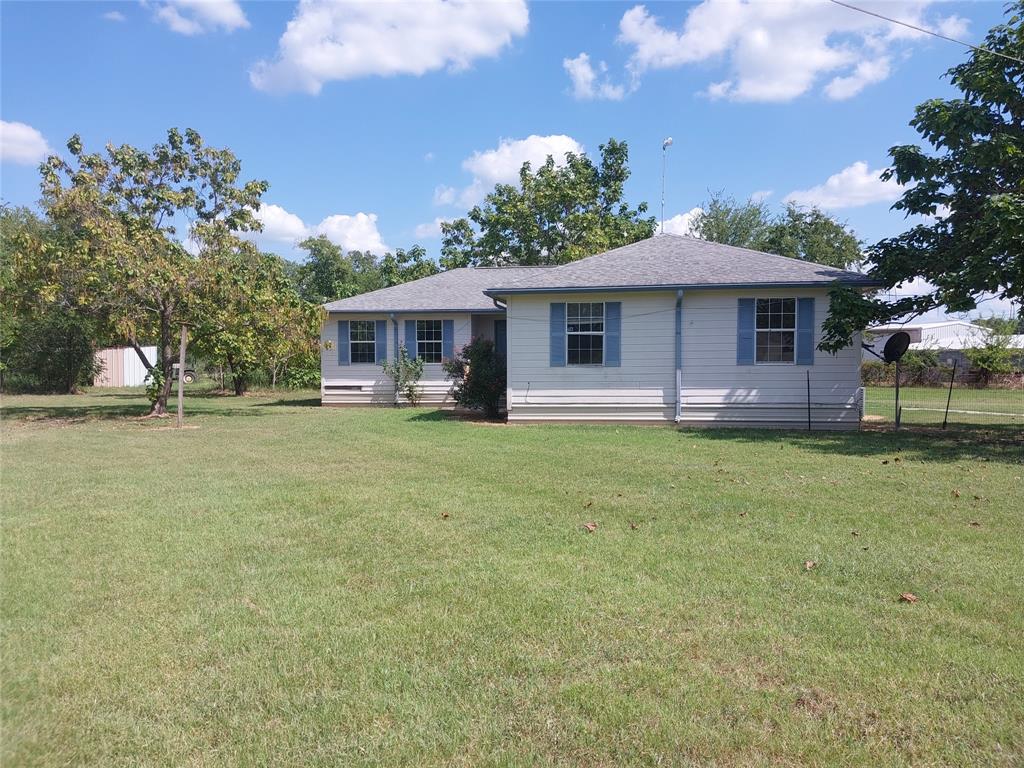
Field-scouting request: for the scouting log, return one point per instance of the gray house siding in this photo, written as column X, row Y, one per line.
column 366, row 383
column 715, row 388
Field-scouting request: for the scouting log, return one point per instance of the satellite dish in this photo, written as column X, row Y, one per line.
column 896, row 346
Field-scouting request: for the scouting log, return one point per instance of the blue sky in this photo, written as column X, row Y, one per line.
column 372, row 121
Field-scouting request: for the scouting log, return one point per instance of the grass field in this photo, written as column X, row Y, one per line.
column 280, row 584
column 967, row 405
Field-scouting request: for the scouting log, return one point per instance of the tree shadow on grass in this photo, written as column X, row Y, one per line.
column 1001, row 444
column 453, row 415
column 300, row 402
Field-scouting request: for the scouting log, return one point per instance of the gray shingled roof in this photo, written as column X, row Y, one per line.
column 665, row 261
column 675, row 261
column 459, row 290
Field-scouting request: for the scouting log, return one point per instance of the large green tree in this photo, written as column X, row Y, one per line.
column 47, row 337
column 249, row 316
column 969, row 189
column 120, row 213
column 329, row 273
column 797, row 232
column 556, row 214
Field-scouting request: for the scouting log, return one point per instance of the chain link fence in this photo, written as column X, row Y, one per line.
column 948, row 397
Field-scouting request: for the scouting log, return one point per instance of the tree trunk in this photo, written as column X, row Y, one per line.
column 237, row 377
column 166, row 363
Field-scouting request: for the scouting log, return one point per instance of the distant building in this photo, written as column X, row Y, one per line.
column 948, row 338
column 121, row 367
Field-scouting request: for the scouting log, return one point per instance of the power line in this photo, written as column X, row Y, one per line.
column 926, row 31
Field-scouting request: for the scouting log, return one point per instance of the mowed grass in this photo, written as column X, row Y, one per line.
column 969, row 406
column 281, row 584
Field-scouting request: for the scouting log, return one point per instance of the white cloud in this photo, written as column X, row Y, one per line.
column 114, row 16
column 867, row 72
column 355, row 232
column 585, row 84
column 22, row 144
column 444, row 195
column 761, row 195
column 431, row 228
column 328, row 41
column 428, row 157
column 196, row 17
column 682, row 223
column 853, row 186
column 280, row 225
column 777, row 51
column 501, row 165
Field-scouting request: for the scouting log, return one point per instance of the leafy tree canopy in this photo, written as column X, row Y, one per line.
column 969, row 186
column 799, row 233
column 118, row 253
column 329, row 273
column 557, row 214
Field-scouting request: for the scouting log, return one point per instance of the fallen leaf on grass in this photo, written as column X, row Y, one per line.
column 743, row 514
column 590, row 527
column 975, row 524
column 885, row 461
column 633, row 526
column 855, row 533
column 809, row 564
column 445, row 515
column 588, row 504
column 908, row 597
column 956, row 493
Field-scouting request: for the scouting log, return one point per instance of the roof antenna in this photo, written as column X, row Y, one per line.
column 664, row 154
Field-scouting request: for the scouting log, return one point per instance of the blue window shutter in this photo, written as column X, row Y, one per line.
column 380, row 338
column 410, row 338
column 343, row 348
column 805, row 331
column 745, row 332
column 447, row 339
column 613, row 334
column 557, row 331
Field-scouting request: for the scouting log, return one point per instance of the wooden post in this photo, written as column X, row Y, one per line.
column 181, row 374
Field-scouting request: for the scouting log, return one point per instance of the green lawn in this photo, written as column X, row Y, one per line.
column 967, row 405
column 281, row 584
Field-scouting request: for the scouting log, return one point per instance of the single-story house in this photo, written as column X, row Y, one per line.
column 668, row 329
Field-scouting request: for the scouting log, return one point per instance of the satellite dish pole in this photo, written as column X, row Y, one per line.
column 664, row 155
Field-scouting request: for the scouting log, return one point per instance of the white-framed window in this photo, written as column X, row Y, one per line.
column 429, row 334
column 584, row 333
column 775, row 331
column 362, row 339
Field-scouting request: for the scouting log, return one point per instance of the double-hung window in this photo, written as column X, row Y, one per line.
column 429, row 336
column 362, row 341
column 584, row 333
column 775, row 329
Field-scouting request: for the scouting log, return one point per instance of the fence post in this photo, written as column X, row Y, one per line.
column 949, row 396
column 898, row 414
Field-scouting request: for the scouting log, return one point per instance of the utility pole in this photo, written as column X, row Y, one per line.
column 664, row 155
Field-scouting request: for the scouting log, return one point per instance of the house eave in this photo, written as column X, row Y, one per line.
column 497, row 292
column 407, row 311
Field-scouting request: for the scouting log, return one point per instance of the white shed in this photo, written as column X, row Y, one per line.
column 121, row 367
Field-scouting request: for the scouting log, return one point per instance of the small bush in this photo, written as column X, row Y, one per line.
column 480, row 376
column 406, row 373
column 995, row 358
